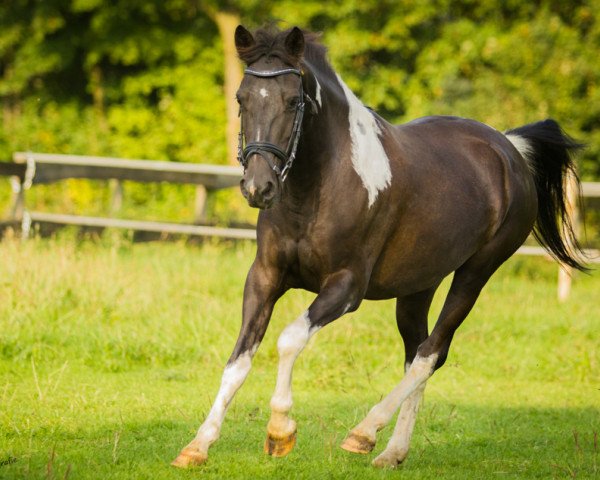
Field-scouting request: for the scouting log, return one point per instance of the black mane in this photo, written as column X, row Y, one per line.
column 270, row 42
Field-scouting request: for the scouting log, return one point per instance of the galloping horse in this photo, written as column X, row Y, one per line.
column 353, row 207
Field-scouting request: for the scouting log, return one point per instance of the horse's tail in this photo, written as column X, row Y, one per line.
column 549, row 152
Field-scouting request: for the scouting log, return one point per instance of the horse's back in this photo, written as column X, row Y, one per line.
column 448, row 133
column 466, row 152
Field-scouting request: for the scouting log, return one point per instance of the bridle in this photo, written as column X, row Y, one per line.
column 287, row 156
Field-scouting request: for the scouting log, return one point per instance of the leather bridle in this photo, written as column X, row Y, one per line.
column 246, row 150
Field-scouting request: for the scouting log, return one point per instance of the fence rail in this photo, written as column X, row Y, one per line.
column 28, row 169
column 48, row 168
column 146, row 226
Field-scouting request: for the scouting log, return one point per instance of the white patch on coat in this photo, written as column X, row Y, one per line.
column 368, row 156
column 524, row 148
column 318, row 93
column 263, row 92
column 233, row 377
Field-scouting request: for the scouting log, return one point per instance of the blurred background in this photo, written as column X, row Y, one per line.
column 111, row 349
column 155, row 79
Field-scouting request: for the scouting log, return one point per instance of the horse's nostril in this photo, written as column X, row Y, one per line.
column 243, row 188
column 268, row 190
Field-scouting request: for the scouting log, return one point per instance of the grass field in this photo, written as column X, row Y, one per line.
column 111, row 353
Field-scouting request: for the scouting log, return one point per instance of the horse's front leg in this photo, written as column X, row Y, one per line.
column 340, row 294
column 263, row 288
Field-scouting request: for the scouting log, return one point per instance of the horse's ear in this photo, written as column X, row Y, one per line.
column 243, row 38
column 294, row 43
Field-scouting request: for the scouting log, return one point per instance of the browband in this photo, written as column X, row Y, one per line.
column 272, row 73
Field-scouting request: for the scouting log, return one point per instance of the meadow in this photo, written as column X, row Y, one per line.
column 111, row 353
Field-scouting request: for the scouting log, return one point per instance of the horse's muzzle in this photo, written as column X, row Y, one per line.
column 259, row 196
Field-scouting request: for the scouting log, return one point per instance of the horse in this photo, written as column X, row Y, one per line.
column 353, row 207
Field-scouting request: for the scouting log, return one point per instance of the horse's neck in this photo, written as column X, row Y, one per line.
column 362, row 131
column 342, row 137
column 321, row 142
column 304, row 182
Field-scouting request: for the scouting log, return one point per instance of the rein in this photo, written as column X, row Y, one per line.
column 246, row 150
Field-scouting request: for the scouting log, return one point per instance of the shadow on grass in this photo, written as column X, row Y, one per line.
column 450, row 441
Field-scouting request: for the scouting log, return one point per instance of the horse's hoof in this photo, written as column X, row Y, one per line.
column 189, row 458
column 280, row 446
column 358, row 444
column 389, row 460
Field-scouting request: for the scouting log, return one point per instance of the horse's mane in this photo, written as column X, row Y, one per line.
column 270, row 42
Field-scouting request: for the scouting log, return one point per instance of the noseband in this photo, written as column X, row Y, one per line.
column 287, row 156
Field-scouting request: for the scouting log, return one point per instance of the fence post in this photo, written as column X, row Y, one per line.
column 116, row 196
column 18, row 208
column 565, row 273
column 200, row 205
column 17, row 200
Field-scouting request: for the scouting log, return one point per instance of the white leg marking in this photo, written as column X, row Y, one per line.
column 524, row 148
column 380, row 415
column 368, row 156
column 233, row 377
column 264, row 93
column 347, row 308
column 397, row 448
column 291, row 342
column 318, row 94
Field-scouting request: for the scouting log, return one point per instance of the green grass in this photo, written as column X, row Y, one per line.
column 111, row 353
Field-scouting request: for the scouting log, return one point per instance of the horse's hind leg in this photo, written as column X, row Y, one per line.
column 431, row 354
column 413, row 328
column 411, row 318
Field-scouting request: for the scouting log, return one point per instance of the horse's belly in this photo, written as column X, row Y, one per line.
column 408, row 266
column 411, row 280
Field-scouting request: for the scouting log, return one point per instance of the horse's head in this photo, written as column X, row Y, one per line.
column 271, row 101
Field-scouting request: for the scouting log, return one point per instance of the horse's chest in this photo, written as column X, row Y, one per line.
column 309, row 267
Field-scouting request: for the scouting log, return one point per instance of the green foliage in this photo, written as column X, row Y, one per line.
column 144, row 79
column 130, row 79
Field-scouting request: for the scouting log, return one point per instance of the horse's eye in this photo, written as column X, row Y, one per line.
column 293, row 103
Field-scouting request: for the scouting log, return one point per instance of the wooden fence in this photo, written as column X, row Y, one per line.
column 29, row 169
